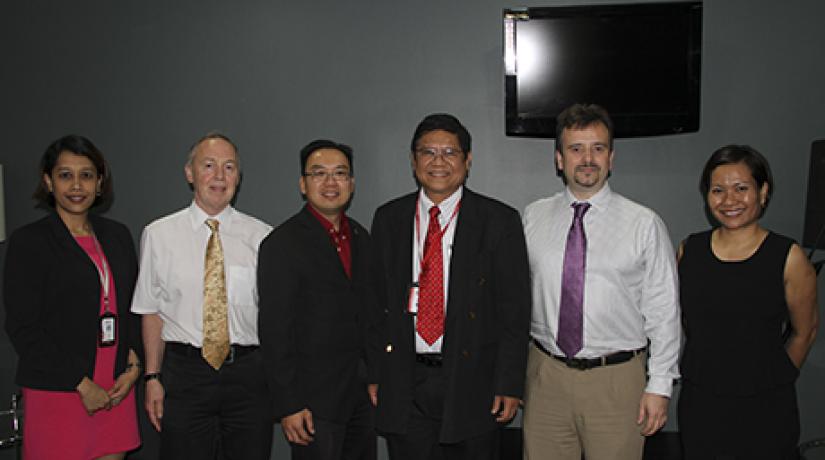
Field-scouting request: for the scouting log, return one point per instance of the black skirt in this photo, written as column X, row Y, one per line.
column 716, row 427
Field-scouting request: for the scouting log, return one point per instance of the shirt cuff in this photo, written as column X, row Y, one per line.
column 662, row 386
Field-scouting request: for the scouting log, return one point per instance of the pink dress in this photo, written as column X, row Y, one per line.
column 56, row 424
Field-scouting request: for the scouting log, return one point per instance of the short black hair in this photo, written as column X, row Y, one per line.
column 77, row 145
column 443, row 122
column 319, row 144
column 580, row 116
column 733, row 154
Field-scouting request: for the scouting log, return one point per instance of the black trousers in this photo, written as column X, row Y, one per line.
column 209, row 414
column 421, row 441
column 354, row 439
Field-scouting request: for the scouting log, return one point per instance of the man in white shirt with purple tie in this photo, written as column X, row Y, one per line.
column 605, row 307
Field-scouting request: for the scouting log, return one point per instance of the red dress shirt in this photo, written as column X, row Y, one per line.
column 340, row 239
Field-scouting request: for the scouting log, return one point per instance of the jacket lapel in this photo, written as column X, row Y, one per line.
column 62, row 234
column 322, row 247
column 404, row 229
column 467, row 240
column 358, row 253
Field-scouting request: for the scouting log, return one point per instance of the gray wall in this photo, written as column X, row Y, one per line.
column 144, row 79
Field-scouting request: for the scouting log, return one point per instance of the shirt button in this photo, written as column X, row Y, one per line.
column 389, row 348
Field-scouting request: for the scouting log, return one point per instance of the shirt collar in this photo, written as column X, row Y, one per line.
column 198, row 216
column 446, row 207
column 343, row 227
column 599, row 201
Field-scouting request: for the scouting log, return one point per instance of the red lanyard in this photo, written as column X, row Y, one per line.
column 102, row 271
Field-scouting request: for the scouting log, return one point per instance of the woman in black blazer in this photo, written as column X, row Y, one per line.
column 68, row 283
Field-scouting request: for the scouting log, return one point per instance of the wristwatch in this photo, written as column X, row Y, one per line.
column 151, row 376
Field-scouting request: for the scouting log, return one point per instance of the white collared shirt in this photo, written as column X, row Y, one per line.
column 630, row 288
column 170, row 281
column 448, row 216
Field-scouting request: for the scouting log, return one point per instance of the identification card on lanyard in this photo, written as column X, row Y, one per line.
column 412, row 301
column 108, row 329
column 107, row 332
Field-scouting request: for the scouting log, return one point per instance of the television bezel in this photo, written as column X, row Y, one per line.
column 626, row 125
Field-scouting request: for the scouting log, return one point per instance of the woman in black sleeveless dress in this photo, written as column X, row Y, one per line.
column 740, row 284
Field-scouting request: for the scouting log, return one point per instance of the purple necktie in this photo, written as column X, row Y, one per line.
column 571, row 317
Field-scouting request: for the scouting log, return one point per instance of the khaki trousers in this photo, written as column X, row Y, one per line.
column 570, row 412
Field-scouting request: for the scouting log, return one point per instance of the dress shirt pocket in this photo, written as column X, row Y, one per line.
column 242, row 289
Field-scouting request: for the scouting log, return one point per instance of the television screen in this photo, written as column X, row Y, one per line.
column 639, row 61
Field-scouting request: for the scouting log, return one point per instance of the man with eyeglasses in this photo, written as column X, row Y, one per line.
column 454, row 290
column 313, row 283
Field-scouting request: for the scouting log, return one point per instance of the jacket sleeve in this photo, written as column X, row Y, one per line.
column 25, row 284
column 377, row 329
column 278, row 302
column 512, row 300
column 132, row 321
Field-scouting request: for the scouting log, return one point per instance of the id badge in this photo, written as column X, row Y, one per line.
column 108, row 329
column 412, row 301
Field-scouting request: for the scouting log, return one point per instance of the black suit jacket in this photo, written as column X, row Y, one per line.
column 52, row 295
column 312, row 318
column 487, row 320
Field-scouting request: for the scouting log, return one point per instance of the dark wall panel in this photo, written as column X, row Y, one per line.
column 144, row 79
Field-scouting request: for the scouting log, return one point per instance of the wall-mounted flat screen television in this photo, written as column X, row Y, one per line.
column 642, row 62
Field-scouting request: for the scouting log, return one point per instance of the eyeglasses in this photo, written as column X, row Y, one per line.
column 429, row 153
column 318, row 175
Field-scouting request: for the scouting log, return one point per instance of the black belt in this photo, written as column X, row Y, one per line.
column 429, row 359
column 235, row 351
column 590, row 363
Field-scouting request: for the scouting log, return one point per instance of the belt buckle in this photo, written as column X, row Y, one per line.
column 579, row 364
column 429, row 360
column 230, row 358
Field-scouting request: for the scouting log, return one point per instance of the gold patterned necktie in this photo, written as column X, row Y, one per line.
column 215, row 323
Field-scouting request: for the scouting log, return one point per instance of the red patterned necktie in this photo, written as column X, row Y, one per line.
column 430, row 323
column 571, row 316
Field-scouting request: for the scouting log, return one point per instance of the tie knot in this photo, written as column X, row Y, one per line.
column 434, row 212
column 213, row 224
column 579, row 209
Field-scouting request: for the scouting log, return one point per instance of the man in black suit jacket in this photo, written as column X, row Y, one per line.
column 314, row 294
column 445, row 394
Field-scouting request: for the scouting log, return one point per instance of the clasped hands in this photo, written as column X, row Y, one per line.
column 95, row 398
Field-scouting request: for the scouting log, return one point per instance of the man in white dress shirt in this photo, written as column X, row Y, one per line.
column 605, row 307
column 200, row 405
